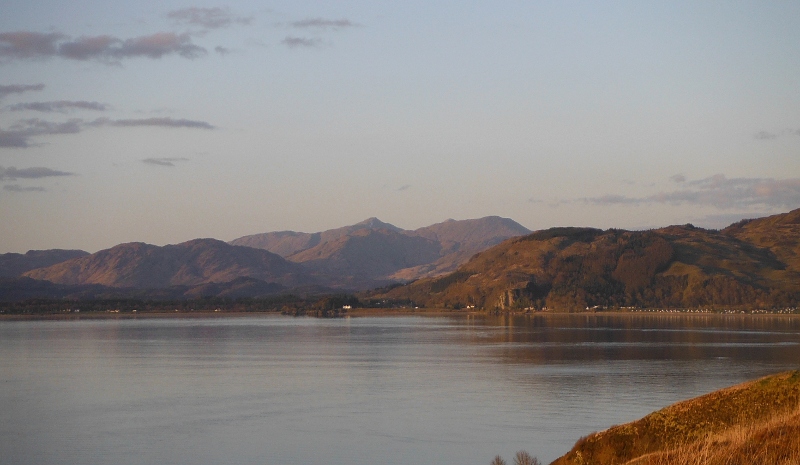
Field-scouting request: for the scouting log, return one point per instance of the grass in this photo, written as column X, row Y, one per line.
column 758, row 417
column 775, row 441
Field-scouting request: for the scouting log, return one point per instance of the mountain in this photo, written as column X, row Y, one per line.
column 15, row 264
column 200, row 261
column 374, row 253
column 751, row 263
column 286, row 243
column 459, row 241
column 367, row 257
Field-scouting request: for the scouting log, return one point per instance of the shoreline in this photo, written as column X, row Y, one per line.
column 369, row 312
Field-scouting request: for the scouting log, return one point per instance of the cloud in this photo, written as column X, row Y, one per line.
column 18, row 89
column 25, row 44
column 164, row 161
column 222, row 50
column 19, row 134
column 61, row 106
column 165, row 122
column 12, row 174
column 296, row 42
column 320, row 23
column 720, row 192
column 208, row 18
column 404, row 187
column 18, row 188
column 678, row 178
column 764, row 135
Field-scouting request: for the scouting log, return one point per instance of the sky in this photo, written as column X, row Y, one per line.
column 165, row 121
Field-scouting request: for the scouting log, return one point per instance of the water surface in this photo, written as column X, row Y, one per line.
column 399, row 390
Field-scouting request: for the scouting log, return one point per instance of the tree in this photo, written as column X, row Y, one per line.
column 498, row 461
column 524, row 458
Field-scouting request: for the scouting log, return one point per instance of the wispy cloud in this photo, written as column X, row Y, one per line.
column 61, row 106
column 208, row 18
column 12, row 174
column 321, row 23
column 164, row 161
column 404, row 187
column 18, row 188
column 301, row 42
column 768, row 135
column 164, row 122
column 18, row 89
column 106, row 48
column 765, row 135
column 20, row 133
column 720, row 192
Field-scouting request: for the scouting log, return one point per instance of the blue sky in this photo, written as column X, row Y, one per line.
column 165, row 121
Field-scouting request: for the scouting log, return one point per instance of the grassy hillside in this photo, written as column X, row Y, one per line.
column 755, row 422
column 678, row 266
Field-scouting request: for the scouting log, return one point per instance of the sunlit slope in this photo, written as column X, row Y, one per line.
column 754, row 422
column 575, row 268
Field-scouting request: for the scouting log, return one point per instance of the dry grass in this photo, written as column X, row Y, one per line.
column 759, row 417
column 774, row 442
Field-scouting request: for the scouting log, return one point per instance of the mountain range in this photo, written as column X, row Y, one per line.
column 489, row 263
column 360, row 256
column 754, row 263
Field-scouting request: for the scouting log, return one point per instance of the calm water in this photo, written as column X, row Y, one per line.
column 395, row 390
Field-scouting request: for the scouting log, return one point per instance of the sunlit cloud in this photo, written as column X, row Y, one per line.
column 106, row 48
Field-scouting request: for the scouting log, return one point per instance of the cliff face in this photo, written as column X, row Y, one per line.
column 755, row 264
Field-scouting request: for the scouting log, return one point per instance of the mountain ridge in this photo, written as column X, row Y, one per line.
column 753, row 263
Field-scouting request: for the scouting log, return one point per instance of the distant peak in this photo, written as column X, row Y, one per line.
column 375, row 223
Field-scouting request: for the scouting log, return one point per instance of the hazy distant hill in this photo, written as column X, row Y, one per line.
column 752, row 263
column 372, row 252
column 199, row 261
column 15, row 264
column 285, row 243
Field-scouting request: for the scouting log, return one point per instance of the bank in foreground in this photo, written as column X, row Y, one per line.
column 754, row 422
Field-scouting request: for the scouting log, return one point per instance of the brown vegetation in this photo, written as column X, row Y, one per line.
column 568, row 269
column 755, row 422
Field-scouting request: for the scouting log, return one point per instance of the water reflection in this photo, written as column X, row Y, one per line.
column 359, row 391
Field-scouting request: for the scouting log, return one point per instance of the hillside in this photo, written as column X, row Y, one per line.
column 199, row 261
column 286, row 243
column 372, row 252
column 15, row 264
column 366, row 258
column 754, row 422
column 576, row 268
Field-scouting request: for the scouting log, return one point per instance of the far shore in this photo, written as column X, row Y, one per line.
column 372, row 312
